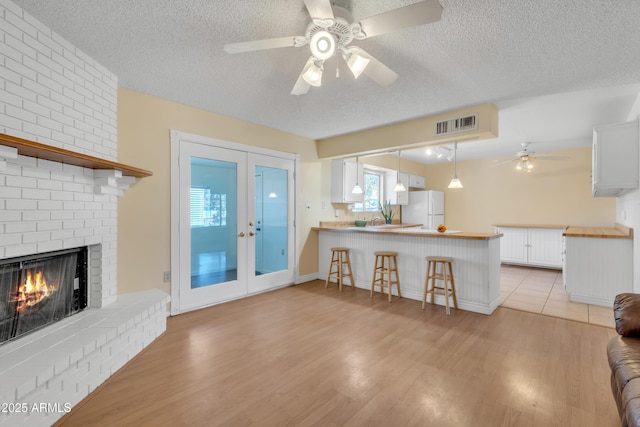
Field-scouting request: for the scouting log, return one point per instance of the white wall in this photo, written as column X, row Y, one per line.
column 628, row 210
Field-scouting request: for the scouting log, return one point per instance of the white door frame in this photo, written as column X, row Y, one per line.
column 176, row 138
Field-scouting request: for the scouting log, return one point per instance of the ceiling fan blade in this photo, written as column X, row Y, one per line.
column 321, row 12
column 551, row 157
column 377, row 71
column 241, row 47
column 302, row 87
column 422, row 12
column 503, row 163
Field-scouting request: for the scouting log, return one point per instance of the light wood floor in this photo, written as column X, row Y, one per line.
column 306, row 355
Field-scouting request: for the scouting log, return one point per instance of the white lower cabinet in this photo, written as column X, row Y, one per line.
column 598, row 269
column 534, row 246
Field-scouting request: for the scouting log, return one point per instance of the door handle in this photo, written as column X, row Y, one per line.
column 250, row 223
column 251, row 233
column 241, row 234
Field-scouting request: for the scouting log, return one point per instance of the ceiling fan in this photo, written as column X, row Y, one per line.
column 524, row 159
column 331, row 32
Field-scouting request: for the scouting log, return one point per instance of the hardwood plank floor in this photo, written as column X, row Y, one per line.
column 311, row 356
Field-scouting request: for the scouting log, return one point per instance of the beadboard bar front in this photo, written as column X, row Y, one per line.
column 476, row 265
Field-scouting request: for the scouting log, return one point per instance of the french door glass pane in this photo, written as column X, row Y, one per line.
column 213, row 205
column 271, row 228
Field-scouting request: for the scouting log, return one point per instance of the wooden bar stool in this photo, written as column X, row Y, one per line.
column 386, row 264
column 448, row 287
column 340, row 260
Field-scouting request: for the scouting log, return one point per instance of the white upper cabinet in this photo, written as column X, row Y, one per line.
column 417, row 181
column 397, row 198
column 615, row 159
column 344, row 175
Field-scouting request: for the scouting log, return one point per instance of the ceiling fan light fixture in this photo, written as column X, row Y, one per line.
column 313, row 74
column 323, row 45
column 357, row 64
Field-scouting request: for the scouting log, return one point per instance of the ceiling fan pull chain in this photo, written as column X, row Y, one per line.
column 337, row 69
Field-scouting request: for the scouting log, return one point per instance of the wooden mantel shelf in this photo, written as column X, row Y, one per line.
column 47, row 152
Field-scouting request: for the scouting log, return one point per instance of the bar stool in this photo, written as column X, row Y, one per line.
column 447, row 279
column 340, row 259
column 386, row 263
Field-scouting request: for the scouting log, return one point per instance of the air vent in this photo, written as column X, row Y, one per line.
column 457, row 125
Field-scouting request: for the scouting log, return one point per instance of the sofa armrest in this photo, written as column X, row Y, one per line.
column 626, row 312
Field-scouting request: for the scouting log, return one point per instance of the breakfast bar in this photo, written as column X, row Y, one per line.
column 476, row 265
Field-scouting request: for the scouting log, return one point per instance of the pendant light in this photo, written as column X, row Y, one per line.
column 455, row 182
column 356, row 188
column 399, row 187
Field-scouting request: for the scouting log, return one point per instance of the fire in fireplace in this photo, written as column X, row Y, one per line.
column 38, row 290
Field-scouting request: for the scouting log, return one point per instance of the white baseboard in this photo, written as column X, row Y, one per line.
column 307, row 278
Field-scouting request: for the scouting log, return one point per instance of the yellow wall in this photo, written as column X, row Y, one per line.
column 144, row 124
column 411, row 133
column 556, row 192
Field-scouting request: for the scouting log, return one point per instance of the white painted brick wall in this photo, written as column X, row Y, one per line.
column 75, row 356
column 52, row 93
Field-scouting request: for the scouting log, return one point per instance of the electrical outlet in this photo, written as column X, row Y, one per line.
column 167, row 277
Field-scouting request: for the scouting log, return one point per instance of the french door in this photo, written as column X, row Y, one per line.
column 234, row 221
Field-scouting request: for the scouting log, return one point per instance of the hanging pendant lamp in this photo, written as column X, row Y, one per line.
column 455, row 182
column 399, row 187
column 356, row 188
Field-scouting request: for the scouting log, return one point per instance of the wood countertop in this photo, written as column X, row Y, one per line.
column 531, row 225
column 617, row 232
column 405, row 230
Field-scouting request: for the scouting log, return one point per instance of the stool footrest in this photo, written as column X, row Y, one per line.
column 342, row 264
column 447, row 289
column 385, row 273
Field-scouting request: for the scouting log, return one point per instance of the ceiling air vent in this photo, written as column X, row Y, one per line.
column 457, row 125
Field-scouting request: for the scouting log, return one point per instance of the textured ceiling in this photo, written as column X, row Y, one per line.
column 509, row 52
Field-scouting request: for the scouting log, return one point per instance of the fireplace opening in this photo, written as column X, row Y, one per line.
column 38, row 290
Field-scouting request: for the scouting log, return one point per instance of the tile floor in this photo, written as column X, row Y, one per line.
column 540, row 291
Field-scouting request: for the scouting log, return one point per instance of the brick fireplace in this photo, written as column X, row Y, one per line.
column 54, row 95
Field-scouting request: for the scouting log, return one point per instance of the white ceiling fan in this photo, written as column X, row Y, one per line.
column 524, row 159
column 331, row 32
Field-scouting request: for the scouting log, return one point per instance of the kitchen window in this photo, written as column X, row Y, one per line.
column 373, row 185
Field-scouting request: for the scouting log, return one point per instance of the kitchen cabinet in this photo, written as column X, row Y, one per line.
column 597, row 267
column 397, row 198
column 615, row 159
column 416, row 181
column 537, row 246
column 344, row 175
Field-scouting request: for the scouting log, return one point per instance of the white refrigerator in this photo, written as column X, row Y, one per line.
column 426, row 208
